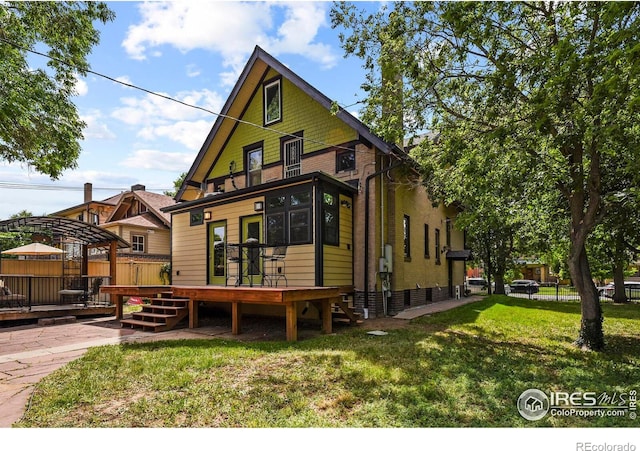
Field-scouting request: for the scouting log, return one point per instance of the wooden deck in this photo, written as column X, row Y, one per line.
column 53, row 311
column 287, row 297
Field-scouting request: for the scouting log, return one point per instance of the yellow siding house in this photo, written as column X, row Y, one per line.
column 280, row 170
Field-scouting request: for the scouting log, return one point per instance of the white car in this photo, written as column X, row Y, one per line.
column 632, row 290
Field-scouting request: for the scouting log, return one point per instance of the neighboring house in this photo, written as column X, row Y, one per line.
column 135, row 216
column 534, row 269
column 279, row 166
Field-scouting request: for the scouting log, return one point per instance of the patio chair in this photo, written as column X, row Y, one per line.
column 92, row 296
column 233, row 264
column 275, row 266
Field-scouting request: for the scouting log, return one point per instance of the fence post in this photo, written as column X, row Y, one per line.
column 557, row 292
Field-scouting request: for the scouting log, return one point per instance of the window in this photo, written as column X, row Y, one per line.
column 330, row 219
column 254, row 166
column 346, row 160
column 218, row 239
column 426, row 241
column 448, row 233
column 289, row 217
column 292, row 152
column 196, row 217
column 272, row 102
column 137, row 243
column 406, row 236
column 437, row 246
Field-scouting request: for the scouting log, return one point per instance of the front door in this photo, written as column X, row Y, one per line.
column 251, row 261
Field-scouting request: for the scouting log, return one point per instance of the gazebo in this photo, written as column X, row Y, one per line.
column 64, row 231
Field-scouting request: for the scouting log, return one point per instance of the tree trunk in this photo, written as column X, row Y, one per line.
column 619, row 295
column 591, row 335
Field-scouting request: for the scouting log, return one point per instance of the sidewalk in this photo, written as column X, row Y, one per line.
column 29, row 353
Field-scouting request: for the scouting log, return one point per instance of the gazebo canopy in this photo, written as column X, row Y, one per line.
column 85, row 233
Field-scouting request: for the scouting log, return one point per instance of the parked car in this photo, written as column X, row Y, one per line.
column 631, row 288
column 477, row 282
column 524, row 286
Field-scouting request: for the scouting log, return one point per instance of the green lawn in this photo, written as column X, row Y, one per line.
column 461, row 368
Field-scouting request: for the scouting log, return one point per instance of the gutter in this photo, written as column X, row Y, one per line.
column 366, row 227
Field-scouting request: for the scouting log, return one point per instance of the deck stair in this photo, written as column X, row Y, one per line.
column 343, row 311
column 160, row 315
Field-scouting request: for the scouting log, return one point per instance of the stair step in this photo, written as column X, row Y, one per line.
column 157, row 327
column 163, row 307
column 347, row 321
column 139, row 315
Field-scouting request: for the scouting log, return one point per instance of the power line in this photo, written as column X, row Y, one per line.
column 27, row 186
column 172, row 99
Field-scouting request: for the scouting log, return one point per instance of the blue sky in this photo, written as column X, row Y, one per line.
column 193, row 51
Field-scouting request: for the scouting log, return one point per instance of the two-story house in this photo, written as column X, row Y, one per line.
column 136, row 216
column 281, row 167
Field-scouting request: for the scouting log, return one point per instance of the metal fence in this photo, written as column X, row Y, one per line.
column 551, row 292
column 25, row 290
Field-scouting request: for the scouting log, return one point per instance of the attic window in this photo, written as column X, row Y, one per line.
column 272, row 102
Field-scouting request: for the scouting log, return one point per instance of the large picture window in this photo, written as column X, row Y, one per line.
column 289, row 217
column 272, row 102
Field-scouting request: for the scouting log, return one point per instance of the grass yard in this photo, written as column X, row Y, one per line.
column 461, row 368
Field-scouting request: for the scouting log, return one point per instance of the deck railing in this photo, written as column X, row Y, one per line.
column 28, row 290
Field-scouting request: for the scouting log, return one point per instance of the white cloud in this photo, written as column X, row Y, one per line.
column 158, row 160
column 231, row 29
column 125, row 79
column 81, row 86
column 190, row 134
column 96, row 126
column 155, row 117
column 193, row 70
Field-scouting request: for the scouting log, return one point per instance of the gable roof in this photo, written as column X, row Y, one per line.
column 252, row 76
column 154, row 203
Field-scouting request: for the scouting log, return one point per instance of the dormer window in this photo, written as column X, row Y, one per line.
column 272, row 102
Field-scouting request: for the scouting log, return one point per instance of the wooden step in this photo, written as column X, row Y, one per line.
column 138, row 315
column 155, row 327
column 160, row 315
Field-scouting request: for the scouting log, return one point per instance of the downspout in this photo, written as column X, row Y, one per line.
column 366, row 227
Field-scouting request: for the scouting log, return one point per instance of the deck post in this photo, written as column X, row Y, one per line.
column 292, row 321
column 193, row 314
column 236, row 318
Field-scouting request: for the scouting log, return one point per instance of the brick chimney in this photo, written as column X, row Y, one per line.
column 88, row 192
column 138, row 187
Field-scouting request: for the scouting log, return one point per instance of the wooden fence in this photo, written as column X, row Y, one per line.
column 128, row 273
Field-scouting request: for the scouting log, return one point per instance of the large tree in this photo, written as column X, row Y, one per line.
column 555, row 84
column 39, row 124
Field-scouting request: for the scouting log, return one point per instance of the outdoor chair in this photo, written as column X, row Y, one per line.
column 233, row 264
column 274, row 265
column 93, row 295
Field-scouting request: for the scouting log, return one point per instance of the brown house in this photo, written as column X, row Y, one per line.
column 281, row 168
column 135, row 216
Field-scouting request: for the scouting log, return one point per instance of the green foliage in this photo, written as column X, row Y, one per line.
column 461, row 368
column 39, row 124
column 548, row 91
column 177, row 184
